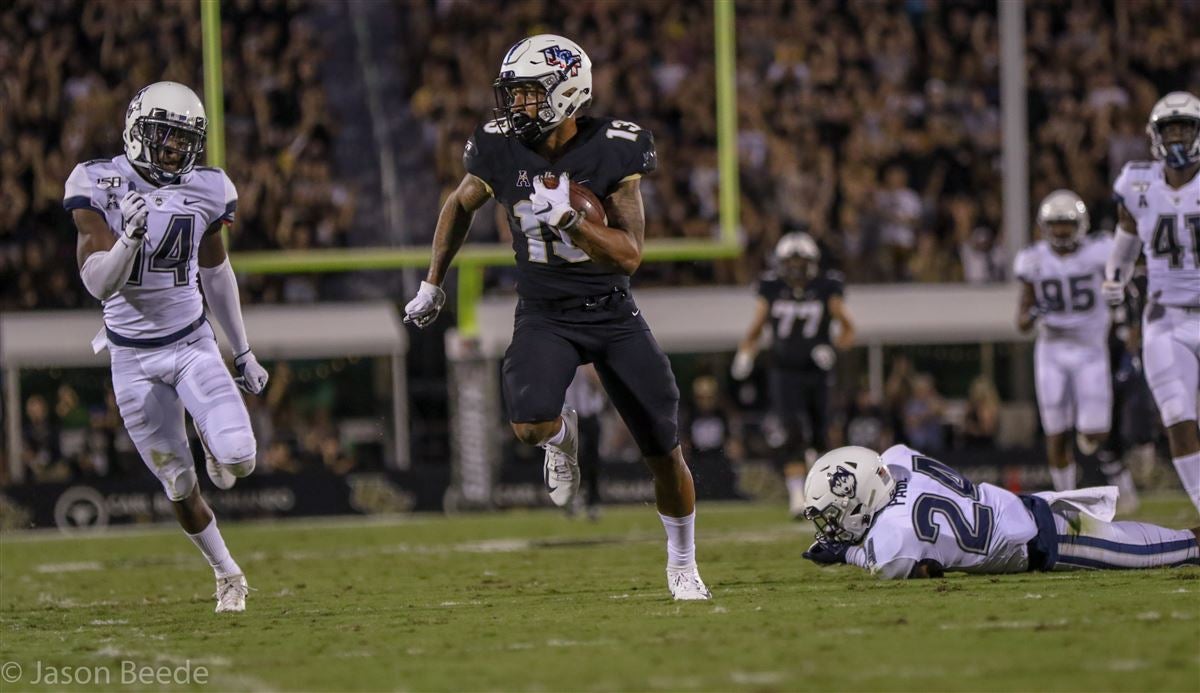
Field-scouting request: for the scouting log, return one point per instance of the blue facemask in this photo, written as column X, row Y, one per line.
column 1177, row 155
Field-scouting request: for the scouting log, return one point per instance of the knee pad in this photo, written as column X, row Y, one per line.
column 241, row 468
column 181, row 486
column 236, row 448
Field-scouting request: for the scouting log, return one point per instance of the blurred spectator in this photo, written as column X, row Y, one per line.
column 982, row 418
column 866, row 423
column 42, row 451
column 924, row 425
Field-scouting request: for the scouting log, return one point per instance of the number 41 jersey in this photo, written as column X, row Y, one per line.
column 161, row 295
column 939, row 515
column 1168, row 224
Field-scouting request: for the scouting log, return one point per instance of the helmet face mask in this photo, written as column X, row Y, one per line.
column 543, row 80
column 1174, row 130
column 165, row 130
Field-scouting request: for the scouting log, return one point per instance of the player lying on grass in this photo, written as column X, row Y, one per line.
column 904, row 515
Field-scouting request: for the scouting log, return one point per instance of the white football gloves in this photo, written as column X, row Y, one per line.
column 1113, row 292
column 252, row 377
column 424, row 309
column 743, row 365
column 552, row 206
column 133, row 214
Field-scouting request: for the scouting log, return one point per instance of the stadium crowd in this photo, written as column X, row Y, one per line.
column 65, row 92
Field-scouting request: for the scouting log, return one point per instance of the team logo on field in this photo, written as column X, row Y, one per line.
column 562, row 58
column 523, row 179
column 842, row 483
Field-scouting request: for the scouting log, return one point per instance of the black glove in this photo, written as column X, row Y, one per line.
column 822, row 554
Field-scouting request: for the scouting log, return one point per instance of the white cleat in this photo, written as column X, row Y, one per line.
column 231, row 594
column 685, row 584
column 561, row 469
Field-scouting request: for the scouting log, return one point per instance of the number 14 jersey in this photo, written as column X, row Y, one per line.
column 937, row 514
column 161, row 295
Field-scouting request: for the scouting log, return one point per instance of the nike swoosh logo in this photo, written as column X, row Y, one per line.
column 635, row 313
column 192, row 342
column 545, row 209
column 191, row 202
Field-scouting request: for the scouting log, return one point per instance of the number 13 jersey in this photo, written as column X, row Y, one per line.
column 937, row 514
column 1168, row 224
column 162, row 295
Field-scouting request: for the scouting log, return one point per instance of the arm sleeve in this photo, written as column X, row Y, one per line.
column 643, row 157
column 837, row 286
column 104, row 272
column 77, row 193
column 221, row 293
column 1121, row 185
column 1124, row 253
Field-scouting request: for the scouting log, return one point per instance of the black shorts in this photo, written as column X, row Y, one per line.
column 549, row 344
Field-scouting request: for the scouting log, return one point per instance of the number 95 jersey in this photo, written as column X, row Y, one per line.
column 602, row 154
column 1067, row 287
column 1168, row 224
column 161, row 295
column 937, row 514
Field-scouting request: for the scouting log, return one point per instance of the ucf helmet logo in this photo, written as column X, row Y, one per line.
column 842, row 483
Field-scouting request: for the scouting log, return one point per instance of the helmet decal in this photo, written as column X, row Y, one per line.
column 842, row 483
column 562, row 58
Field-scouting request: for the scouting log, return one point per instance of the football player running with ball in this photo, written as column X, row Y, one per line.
column 149, row 226
column 905, row 515
column 798, row 302
column 1158, row 209
column 1060, row 279
column 574, row 304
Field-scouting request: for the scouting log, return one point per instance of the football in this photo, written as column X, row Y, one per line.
column 582, row 200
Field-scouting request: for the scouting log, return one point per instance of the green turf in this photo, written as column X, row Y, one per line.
column 532, row 601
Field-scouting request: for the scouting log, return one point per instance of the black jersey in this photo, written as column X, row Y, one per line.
column 799, row 317
column 602, row 154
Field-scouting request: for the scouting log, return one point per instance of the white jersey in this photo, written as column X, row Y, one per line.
column 162, row 295
column 1067, row 288
column 1168, row 223
column 937, row 514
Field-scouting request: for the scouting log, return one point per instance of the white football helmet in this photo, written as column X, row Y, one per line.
column 1174, row 107
column 797, row 256
column 1059, row 206
column 562, row 71
column 844, row 490
column 164, row 132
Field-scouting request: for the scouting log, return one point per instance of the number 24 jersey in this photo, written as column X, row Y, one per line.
column 939, row 515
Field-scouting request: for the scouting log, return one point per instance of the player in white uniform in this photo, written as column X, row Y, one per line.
column 1060, row 279
column 1158, row 207
column 149, row 222
column 904, row 515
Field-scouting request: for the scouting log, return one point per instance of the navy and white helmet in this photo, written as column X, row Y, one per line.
column 165, row 117
column 560, row 71
column 844, row 491
column 1063, row 206
column 1172, row 108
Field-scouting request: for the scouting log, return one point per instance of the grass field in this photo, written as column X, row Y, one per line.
column 533, row 601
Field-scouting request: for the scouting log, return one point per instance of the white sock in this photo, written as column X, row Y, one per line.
column 1188, row 468
column 558, row 438
column 1063, row 478
column 211, row 544
column 681, row 540
column 795, row 487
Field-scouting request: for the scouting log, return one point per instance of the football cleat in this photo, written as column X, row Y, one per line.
column 685, row 584
column 231, row 594
column 561, row 469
